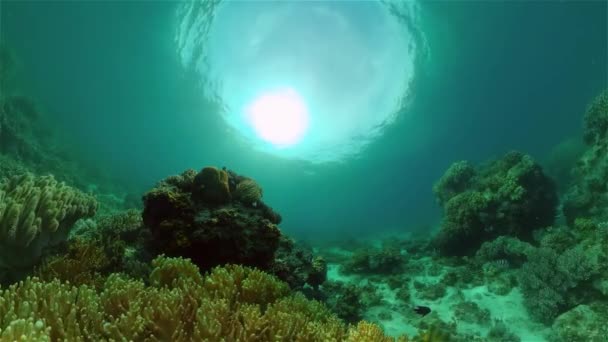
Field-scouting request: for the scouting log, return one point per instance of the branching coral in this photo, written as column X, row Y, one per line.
column 233, row 303
column 549, row 280
column 37, row 212
column 456, row 179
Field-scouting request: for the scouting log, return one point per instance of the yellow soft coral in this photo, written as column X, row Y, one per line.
column 233, row 303
column 36, row 212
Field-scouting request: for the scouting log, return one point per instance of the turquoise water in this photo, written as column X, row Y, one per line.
column 364, row 106
column 498, row 76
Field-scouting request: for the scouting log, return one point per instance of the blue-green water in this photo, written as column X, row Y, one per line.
column 498, row 76
column 136, row 91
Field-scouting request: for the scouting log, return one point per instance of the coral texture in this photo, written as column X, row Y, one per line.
column 192, row 215
column 232, row 303
column 510, row 196
column 588, row 195
column 37, row 212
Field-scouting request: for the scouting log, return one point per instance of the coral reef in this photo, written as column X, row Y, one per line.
column 500, row 333
column 471, row 312
column 560, row 160
column 211, row 186
column 37, row 212
column 554, row 281
column 295, row 264
column 193, row 215
column 248, row 192
column 457, row 179
column 84, row 263
column 584, row 323
column 345, row 300
column 588, row 195
column 430, row 291
column 510, row 196
column 385, row 260
column 233, row 302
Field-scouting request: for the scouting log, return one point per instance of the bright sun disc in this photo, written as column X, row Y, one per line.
column 279, row 117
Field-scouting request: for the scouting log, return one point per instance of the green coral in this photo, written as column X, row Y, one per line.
column 470, row 312
column 510, row 196
column 549, row 280
column 588, row 194
column 430, row 291
column 456, row 180
column 596, row 119
column 584, row 323
column 385, row 260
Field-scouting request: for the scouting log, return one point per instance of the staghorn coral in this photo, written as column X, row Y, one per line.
column 37, row 212
column 233, row 303
column 510, row 196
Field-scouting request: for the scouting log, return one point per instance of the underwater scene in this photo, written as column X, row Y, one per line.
column 254, row 171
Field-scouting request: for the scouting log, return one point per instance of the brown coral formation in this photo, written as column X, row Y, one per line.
column 248, row 191
column 211, row 186
column 37, row 212
column 194, row 215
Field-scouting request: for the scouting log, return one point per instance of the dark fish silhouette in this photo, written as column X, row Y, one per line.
column 422, row 310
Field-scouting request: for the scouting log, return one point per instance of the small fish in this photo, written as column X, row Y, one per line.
column 422, row 310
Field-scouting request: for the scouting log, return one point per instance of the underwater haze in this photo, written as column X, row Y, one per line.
column 392, row 99
column 357, row 171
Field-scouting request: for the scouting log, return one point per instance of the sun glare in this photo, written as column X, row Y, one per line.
column 279, row 117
